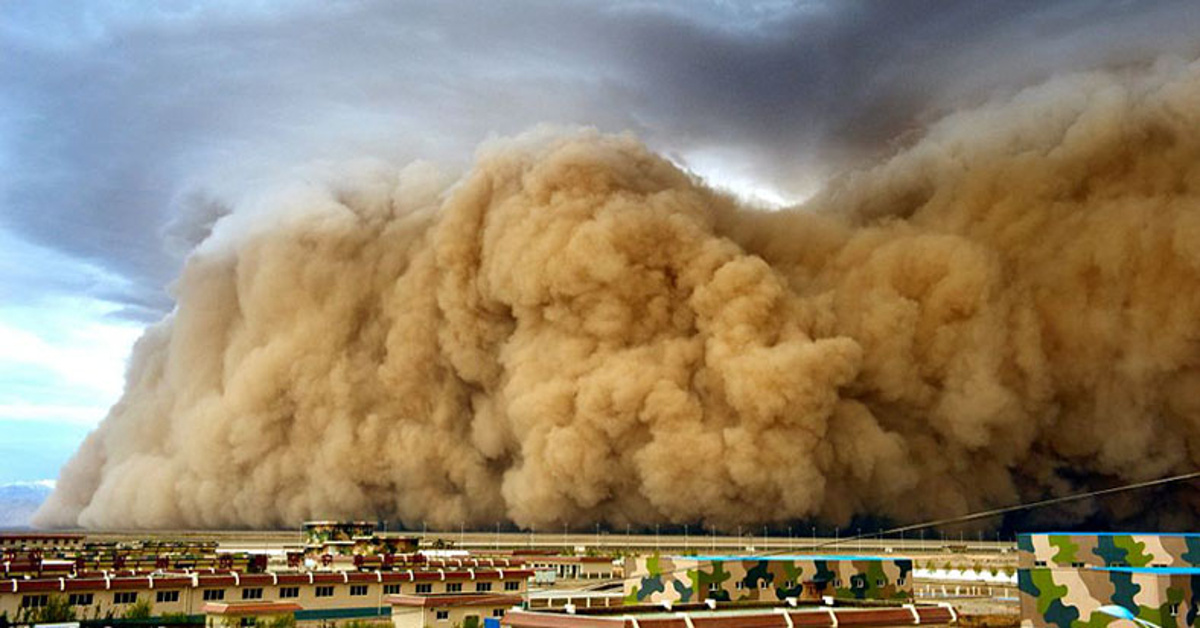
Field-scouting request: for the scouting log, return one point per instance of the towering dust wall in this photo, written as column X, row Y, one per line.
column 578, row 331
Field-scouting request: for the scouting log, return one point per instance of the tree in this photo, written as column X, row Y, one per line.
column 140, row 609
column 57, row 609
column 282, row 621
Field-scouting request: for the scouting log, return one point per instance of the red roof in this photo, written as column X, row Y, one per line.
column 463, row 599
column 767, row 618
column 569, row 559
column 95, row 581
column 249, row 608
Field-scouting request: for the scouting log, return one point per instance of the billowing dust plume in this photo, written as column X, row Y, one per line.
column 578, row 331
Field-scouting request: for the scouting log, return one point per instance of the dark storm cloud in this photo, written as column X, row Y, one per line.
column 118, row 122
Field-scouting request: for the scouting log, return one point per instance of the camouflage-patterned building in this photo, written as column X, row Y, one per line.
column 1065, row 578
column 683, row 579
column 351, row 538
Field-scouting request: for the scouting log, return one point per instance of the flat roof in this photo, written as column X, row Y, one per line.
column 1161, row 571
column 792, row 557
column 761, row 617
column 454, row 600
column 249, row 608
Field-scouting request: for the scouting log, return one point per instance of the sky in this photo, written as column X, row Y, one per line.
column 123, row 125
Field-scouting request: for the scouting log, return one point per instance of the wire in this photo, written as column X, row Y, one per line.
column 984, row 514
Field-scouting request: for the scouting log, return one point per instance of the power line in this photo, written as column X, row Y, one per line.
column 985, row 514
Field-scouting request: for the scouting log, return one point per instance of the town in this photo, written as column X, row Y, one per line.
column 354, row 575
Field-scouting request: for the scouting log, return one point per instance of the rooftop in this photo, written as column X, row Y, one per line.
column 1161, row 571
column 463, row 599
column 249, row 608
column 760, row 617
column 792, row 557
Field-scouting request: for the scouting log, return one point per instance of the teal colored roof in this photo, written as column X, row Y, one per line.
column 1160, row 571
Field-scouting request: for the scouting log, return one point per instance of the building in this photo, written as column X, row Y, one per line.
column 54, row 555
column 772, row 578
column 547, row 599
column 468, row 610
column 326, row 539
column 1065, row 578
column 755, row 615
column 43, row 541
column 570, row 567
column 246, row 614
column 323, row 596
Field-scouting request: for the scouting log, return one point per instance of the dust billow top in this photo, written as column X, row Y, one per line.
column 578, row 331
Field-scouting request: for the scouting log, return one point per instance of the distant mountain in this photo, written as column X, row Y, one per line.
column 19, row 500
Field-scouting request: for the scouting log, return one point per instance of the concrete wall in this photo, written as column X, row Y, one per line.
column 455, row 617
column 655, row 580
column 1064, row 579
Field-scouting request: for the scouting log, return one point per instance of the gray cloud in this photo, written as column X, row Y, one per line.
column 116, row 120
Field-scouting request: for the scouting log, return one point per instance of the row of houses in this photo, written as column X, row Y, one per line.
column 684, row 579
column 320, row 595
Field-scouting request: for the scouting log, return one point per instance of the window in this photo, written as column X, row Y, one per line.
column 900, row 581
column 287, row 592
column 424, row 587
column 326, row 591
column 392, row 589
column 787, row 584
column 740, row 585
column 837, row 582
column 80, row 599
column 714, row 586
column 165, row 597
column 512, row 585
column 1077, row 564
column 34, row 601
column 453, row 587
column 1039, row 563
column 358, row 590
column 497, row 612
column 765, row 584
column 880, row 582
column 252, row 594
column 1174, row 609
column 125, row 597
column 214, row 594
column 443, row 615
column 483, row 586
column 247, row 622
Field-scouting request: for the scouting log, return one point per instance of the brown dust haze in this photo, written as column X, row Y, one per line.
column 579, row 331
